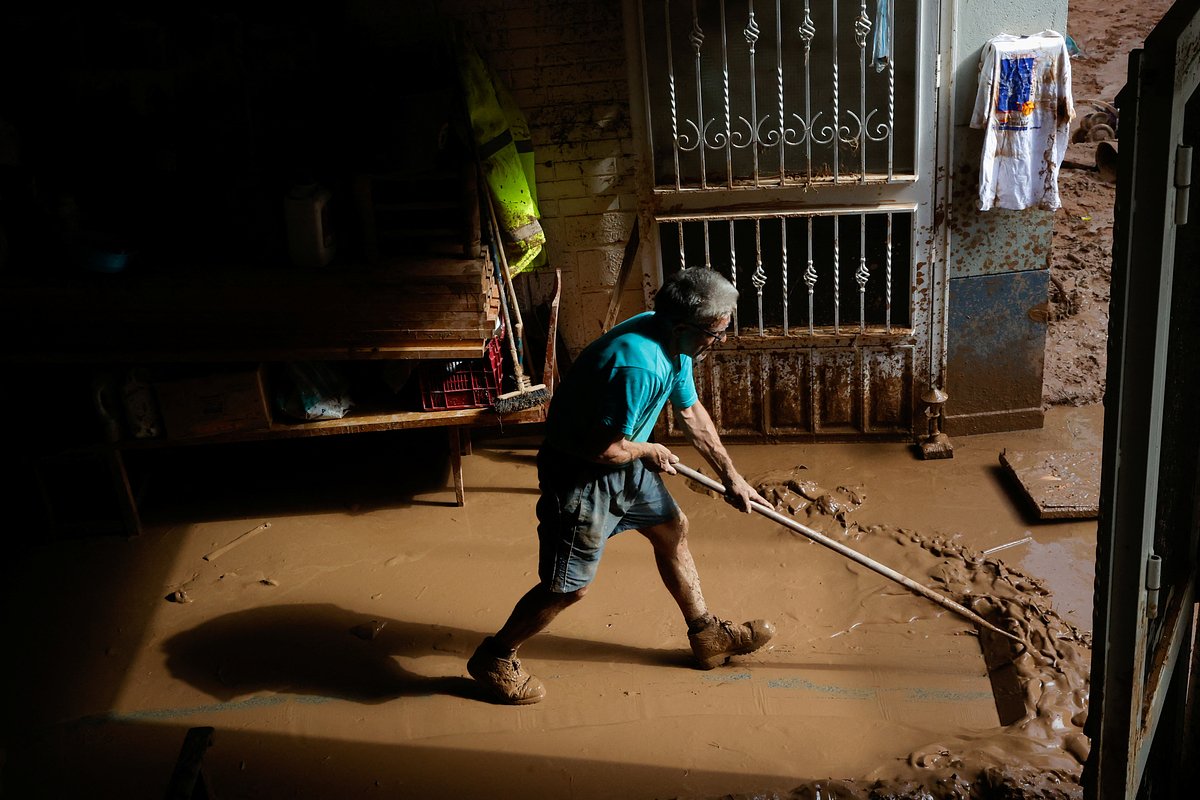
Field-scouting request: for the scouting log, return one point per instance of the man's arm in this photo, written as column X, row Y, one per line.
column 609, row 446
column 702, row 434
column 656, row 457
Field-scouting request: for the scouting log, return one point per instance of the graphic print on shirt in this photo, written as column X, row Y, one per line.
column 1014, row 102
column 1024, row 106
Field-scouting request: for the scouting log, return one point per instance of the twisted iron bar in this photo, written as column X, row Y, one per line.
column 696, row 37
column 808, row 32
column 810, row 277
column 727, row 145
column 783, row 129
column 862, row 29
column 751, row 34
column 759, row 279
column 784, row 269
column 862, row 274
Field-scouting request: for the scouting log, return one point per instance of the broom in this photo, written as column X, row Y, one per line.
column 527, row 395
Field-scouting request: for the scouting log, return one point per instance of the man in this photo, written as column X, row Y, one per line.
column 599, row 476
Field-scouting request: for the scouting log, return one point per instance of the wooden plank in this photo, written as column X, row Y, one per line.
column 409, row 349
column 359, row 423
column 1059, row 484
column 614, row 303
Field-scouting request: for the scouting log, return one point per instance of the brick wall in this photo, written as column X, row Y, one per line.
column 564, row 62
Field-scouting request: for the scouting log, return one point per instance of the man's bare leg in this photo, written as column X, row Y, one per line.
column 713, row 640
column 494, row 664
column 676, row 567
column 533, row 614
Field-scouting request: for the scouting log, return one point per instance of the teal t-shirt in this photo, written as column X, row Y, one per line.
column 621, row 382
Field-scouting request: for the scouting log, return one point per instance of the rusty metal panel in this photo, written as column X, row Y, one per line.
column 737, row 392
column 997, row 343
column 836, row 401
column 797, row 388
column 789, row 392
column 887, row 389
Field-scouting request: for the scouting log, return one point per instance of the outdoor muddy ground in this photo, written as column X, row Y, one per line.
column 1081, row 260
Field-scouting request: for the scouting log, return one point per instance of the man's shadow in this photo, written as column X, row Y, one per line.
column 325, row 650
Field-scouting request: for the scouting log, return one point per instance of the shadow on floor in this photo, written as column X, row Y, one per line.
column 325, row 650
column 345, row 474
column 131, row 760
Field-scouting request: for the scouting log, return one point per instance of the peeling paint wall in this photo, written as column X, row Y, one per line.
column 564, row 62
column 992, row 253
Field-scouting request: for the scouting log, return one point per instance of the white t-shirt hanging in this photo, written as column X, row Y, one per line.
column 1024, row 102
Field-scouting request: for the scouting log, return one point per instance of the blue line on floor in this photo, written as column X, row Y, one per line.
column 215, row 708
column 841, row 691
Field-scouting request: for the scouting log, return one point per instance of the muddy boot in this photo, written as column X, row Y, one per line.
column 718, row 639
column 503, row 677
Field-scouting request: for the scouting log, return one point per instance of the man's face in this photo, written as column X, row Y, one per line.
column 698, row 339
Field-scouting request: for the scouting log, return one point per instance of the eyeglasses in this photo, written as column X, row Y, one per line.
column 719, row 336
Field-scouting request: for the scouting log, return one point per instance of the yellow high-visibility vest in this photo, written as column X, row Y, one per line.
column 505, row 150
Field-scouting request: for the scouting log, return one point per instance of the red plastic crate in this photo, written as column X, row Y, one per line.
column 467, row 383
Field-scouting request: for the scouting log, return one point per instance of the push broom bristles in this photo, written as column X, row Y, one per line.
column 521, row 400
column 526, row 396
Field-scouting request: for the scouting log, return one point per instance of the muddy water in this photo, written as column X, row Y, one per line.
column 1041, row 687
column 329, row 650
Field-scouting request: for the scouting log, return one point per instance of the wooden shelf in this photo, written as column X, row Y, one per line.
column 355, row 423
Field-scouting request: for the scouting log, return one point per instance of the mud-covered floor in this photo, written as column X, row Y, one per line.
column 328, row 650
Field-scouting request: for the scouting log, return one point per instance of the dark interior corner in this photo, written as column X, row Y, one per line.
column 171, row 133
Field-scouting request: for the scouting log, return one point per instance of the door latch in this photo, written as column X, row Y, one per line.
column 1183, row 182
column 1153, row 584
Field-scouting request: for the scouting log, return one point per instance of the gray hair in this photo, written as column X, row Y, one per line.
column 696, row 295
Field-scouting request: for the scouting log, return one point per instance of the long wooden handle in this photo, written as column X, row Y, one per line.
column 514, row 305
column 614, row 302
column 220, row 551
column 853, row 555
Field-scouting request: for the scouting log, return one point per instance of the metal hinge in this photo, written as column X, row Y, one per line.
column 937, row 72
column 1183, row 182
column 1153, row 584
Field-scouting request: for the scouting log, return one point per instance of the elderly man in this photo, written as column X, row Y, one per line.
column 599, row 475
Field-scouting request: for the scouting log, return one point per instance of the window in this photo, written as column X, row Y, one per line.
column 743, row 94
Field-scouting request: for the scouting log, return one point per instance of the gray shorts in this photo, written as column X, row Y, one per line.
column 583, row 505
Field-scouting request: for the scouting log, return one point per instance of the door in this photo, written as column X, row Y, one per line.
column 792, row 146
column 1146, row 550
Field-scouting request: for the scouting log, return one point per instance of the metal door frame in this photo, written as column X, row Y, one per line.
column 1137, row 651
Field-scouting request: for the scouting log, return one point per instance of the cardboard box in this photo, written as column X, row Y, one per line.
column 226, row 402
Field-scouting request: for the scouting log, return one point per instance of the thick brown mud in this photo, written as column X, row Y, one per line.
column 1040, row 688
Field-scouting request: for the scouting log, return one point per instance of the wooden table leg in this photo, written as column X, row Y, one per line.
column 125, row 495
column 456, row 464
